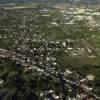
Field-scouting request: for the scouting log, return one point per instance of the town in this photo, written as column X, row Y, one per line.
column 53, row 46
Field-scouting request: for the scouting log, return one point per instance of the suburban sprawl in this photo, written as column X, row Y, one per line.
column 49, row 51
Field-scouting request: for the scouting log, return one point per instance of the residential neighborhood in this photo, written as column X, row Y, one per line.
column 49, row 51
